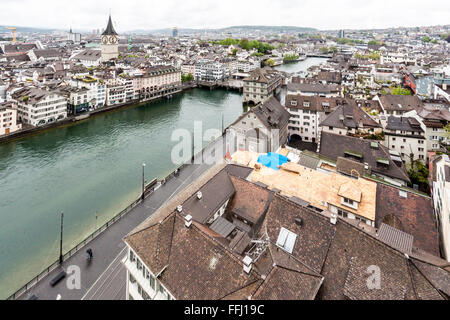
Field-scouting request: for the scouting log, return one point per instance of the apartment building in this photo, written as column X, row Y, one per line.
column 261, row 84
column 79, row 100
column 155, row 80
column 8, row 118
column 39, row 107
column 306, row 113
column 404, row 135
column 97, row 88
column 433, row 122
column 115, row 94
column 211, row 71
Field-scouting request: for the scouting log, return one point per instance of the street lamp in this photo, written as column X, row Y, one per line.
column 143, row 181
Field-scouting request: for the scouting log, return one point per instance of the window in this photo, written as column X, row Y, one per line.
column 342, row 213
column 152, row 282
column 348, row 201
column 286, row 240
column 160, row 288
column 132, row 256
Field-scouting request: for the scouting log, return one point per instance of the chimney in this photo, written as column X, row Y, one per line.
column 188, row 221
column 333, row 218
column 247, row 264
column 180, row 209
column 199, row 195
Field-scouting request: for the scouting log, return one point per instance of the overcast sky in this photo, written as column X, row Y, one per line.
column 155, row 14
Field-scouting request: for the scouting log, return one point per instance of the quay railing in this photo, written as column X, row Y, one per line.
column 149, row 188
column 72, row 251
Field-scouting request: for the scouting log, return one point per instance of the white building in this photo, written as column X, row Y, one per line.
column 115, row 94
column 211, row 71
column 142, row 284
column 261, row 84
column 440, row 186
column 8, row 119
column 39, row 107
column 97, row 89
column 306, row 114
column 405, row 136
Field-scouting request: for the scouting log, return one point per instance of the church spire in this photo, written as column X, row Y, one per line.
column 109, row 31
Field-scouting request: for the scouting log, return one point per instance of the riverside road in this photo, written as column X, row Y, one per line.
column 104, row 277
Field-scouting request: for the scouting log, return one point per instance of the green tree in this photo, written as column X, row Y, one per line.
column 418, row 174
column 187, row 77
column 374, row 42
column 426, row 39
column 270, row 62
column 290, row 57
column 399, row 91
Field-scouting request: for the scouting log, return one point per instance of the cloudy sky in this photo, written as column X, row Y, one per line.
column 155, row 14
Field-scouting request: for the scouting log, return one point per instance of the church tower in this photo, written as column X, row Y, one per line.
column 110, row 42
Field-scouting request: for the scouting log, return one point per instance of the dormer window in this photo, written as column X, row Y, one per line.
column 306, row 104
column 294, row 103
column 349, row 203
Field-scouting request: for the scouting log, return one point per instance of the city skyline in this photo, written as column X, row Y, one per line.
column 203, row 14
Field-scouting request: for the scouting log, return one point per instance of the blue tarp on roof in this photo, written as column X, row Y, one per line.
column 272, row 160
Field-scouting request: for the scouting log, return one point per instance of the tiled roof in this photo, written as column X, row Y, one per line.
column 272, row 114
column 349, row 116
column 333, row 146
column 400, row 103
column 328, row 261
column 413, row 215
column 403, row 124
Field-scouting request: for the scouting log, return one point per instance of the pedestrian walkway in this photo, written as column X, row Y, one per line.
column 103, row 275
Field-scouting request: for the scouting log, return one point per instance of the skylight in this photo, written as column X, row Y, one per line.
column 286, row 240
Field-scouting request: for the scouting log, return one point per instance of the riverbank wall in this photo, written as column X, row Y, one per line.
column 71, row 119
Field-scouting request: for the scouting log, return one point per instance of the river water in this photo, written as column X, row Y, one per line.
column 92, row 167
column 88, row 167
column 301, row 65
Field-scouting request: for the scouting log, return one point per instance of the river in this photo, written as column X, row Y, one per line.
column 89, row 167
column 301, row 65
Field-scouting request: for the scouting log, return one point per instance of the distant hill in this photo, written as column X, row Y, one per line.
column 233, row 29
column 28, row 29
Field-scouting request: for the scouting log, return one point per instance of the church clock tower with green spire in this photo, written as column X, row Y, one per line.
column 110, row 42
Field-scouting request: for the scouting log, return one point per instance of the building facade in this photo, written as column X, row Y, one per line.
column 39, row 107
column 440, row 187
column 262, row 84
column 405, row 136
column 8, row 119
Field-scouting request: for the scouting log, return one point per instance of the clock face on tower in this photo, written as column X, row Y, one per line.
column 112, row 39
column 104, row 40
